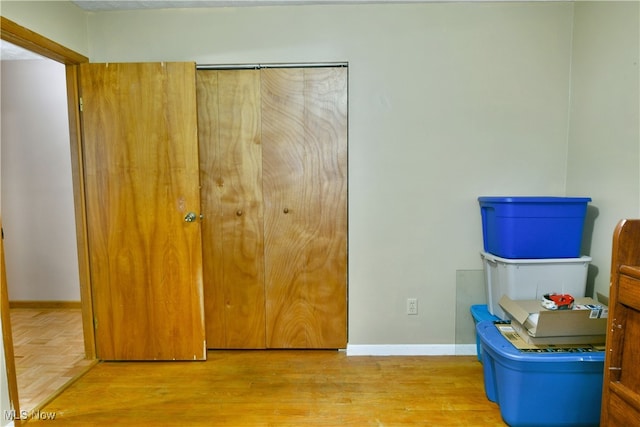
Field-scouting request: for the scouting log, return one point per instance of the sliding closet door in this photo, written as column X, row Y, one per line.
column 141, row 173
column 231, row 176
column 304, row 139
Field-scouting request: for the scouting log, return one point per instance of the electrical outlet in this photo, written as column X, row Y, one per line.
column 412, row 305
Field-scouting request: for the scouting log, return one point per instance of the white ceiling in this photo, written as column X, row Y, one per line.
column 101, row 5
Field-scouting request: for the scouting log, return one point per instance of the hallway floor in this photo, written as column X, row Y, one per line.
column 48, row 350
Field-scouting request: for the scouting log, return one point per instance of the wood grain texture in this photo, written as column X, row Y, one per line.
column 621, row 385
column 620, row 413
column 305, row 191
column 142, row 178
column 210, row 189
column 229, row 124
column 280, row 388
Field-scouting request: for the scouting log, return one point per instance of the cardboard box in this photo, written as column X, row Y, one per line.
column 585, row 324
column 514, row 337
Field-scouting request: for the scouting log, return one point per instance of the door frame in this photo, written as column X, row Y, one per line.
column 34, row 42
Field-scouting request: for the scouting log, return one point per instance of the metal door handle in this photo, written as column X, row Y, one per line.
column 190, row 217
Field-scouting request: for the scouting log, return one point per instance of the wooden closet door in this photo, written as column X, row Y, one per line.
column 231, row 176
column 304, row 136
column 141, row 172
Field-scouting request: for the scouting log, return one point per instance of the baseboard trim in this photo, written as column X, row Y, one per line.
column 45, row 304
column 411, row 350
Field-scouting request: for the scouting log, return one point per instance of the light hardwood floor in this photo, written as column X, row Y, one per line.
column 278, row 388
column 48, row 350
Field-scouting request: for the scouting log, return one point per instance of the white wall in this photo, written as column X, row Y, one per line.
column 60, row 21
column 604, row 139
column 37, row 195
column 447, row 102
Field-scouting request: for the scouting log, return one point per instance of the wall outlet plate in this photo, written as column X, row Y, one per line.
column 412, row 305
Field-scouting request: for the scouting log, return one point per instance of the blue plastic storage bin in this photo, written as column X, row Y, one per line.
column 533, row 227
column 541, row 389
column 480, row 312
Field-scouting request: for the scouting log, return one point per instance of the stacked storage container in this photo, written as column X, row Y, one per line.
column 531, row 248
column 535, row 389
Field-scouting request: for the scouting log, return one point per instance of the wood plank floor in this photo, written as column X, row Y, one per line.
column 279, row 388
column 49, row 351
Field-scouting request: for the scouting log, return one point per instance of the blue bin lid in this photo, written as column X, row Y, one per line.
column 533, row 199
column 498, row 346
column 480, row 312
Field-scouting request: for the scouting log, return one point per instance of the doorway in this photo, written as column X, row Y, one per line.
column 27, row 39
column 39, row 226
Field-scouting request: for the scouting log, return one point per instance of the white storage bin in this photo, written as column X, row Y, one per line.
column 532, row 278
